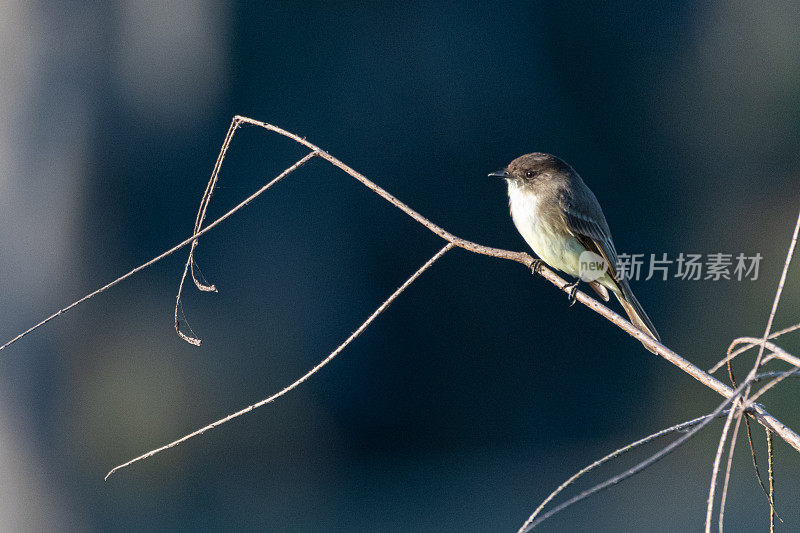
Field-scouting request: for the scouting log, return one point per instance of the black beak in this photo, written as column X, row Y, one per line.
column 500, row 174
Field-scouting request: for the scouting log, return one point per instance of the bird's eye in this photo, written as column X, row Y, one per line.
column 529, row 174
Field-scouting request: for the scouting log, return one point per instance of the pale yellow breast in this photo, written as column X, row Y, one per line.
column 556, row 248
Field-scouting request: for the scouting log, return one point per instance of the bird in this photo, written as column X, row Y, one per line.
column 561, row 220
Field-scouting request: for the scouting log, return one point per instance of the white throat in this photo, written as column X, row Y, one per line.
column 525, row 213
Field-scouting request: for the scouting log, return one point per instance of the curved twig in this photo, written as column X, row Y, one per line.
column 305, row 376
column 731, row 355
column 777, row 352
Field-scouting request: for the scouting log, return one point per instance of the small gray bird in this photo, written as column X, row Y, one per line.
column 560, row 219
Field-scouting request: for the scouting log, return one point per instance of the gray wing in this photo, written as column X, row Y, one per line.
column 594, row 236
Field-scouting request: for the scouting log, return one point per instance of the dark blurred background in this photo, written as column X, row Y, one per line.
column 480, row 390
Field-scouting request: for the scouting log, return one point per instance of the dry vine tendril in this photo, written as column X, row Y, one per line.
column 739, row 398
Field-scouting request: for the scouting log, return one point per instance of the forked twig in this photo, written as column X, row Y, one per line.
column 693, row 426
column 533, row 521
column 671, row 447
column 305, row 376
column 527, row 526
column 201, row 217
column 792, row 438
column 777, row 352
column 761, row 415
column 157, row 258
column 756, row 410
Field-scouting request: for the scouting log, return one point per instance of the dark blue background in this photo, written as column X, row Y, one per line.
column 480, row 390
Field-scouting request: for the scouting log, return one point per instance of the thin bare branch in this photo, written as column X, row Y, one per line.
column 157, row 258
column 731, row 448
column 777, row 374
column 752, row 447
column 774, row 382
column 715, row 471
column 683, row 426
column 305, row 376
column 201, row 213
column 784, row 331
column 775, row 302
column 671, row 447
column 771, row 462
column 777, row 352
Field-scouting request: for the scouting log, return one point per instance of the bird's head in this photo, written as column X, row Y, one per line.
column 530, row 168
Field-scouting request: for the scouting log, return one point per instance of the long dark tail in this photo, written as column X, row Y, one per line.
column 634, row 310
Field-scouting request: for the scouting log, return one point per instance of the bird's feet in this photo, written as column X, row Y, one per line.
column 573, row 290
column 536, row 267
